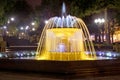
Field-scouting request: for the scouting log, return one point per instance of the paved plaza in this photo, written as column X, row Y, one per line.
column 8, row 75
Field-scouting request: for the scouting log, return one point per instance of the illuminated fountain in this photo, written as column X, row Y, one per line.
column 64, row 42
column 65, row 38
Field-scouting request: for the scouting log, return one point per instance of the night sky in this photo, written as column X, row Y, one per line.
column 34, row 3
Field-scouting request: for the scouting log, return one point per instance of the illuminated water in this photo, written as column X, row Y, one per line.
column 63, row 38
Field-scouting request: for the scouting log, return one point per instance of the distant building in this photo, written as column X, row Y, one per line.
column 116, row 35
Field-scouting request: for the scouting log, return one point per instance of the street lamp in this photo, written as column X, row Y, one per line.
column 33, row 23
column 46, row 21
column 7, row 32
column 21, row 28
column 100, row 21
column 8, row 21
column 5, row 27
column 33, row 29
column 27, row 27
column 12, row 18
column 4, row 30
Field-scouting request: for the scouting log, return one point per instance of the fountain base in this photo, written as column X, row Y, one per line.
column 65, row 56
column 83, row 68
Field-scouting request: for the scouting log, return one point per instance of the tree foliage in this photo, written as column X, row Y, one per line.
column 18, row 8
column 22, row 11
column 82, row 8
column 52, row 7
column 5, row 8
column 22, row 8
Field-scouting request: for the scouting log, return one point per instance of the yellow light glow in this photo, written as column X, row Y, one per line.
column 116, row 36
column 64, row 44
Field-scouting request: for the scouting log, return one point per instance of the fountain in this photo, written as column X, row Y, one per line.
column 65, row 47
column 65, row 38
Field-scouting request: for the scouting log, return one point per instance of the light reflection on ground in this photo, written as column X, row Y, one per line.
column 31, row 55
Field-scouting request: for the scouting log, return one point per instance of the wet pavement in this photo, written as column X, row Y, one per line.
column 10, row 75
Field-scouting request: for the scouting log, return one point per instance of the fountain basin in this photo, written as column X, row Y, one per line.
column 64, row 67
column 103, row 64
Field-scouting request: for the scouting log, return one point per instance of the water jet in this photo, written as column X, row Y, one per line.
column 65, row 47
column 65, row 38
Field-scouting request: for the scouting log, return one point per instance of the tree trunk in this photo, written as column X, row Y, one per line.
column 112, row 37
column 106, row 26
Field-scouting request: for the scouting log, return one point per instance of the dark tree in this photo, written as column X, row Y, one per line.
column 22, row 11
column 6, row 7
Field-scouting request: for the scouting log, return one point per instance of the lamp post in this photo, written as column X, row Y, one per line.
column 107, row 27
column 11, row 25
column 100, row 21
column 4, row 30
